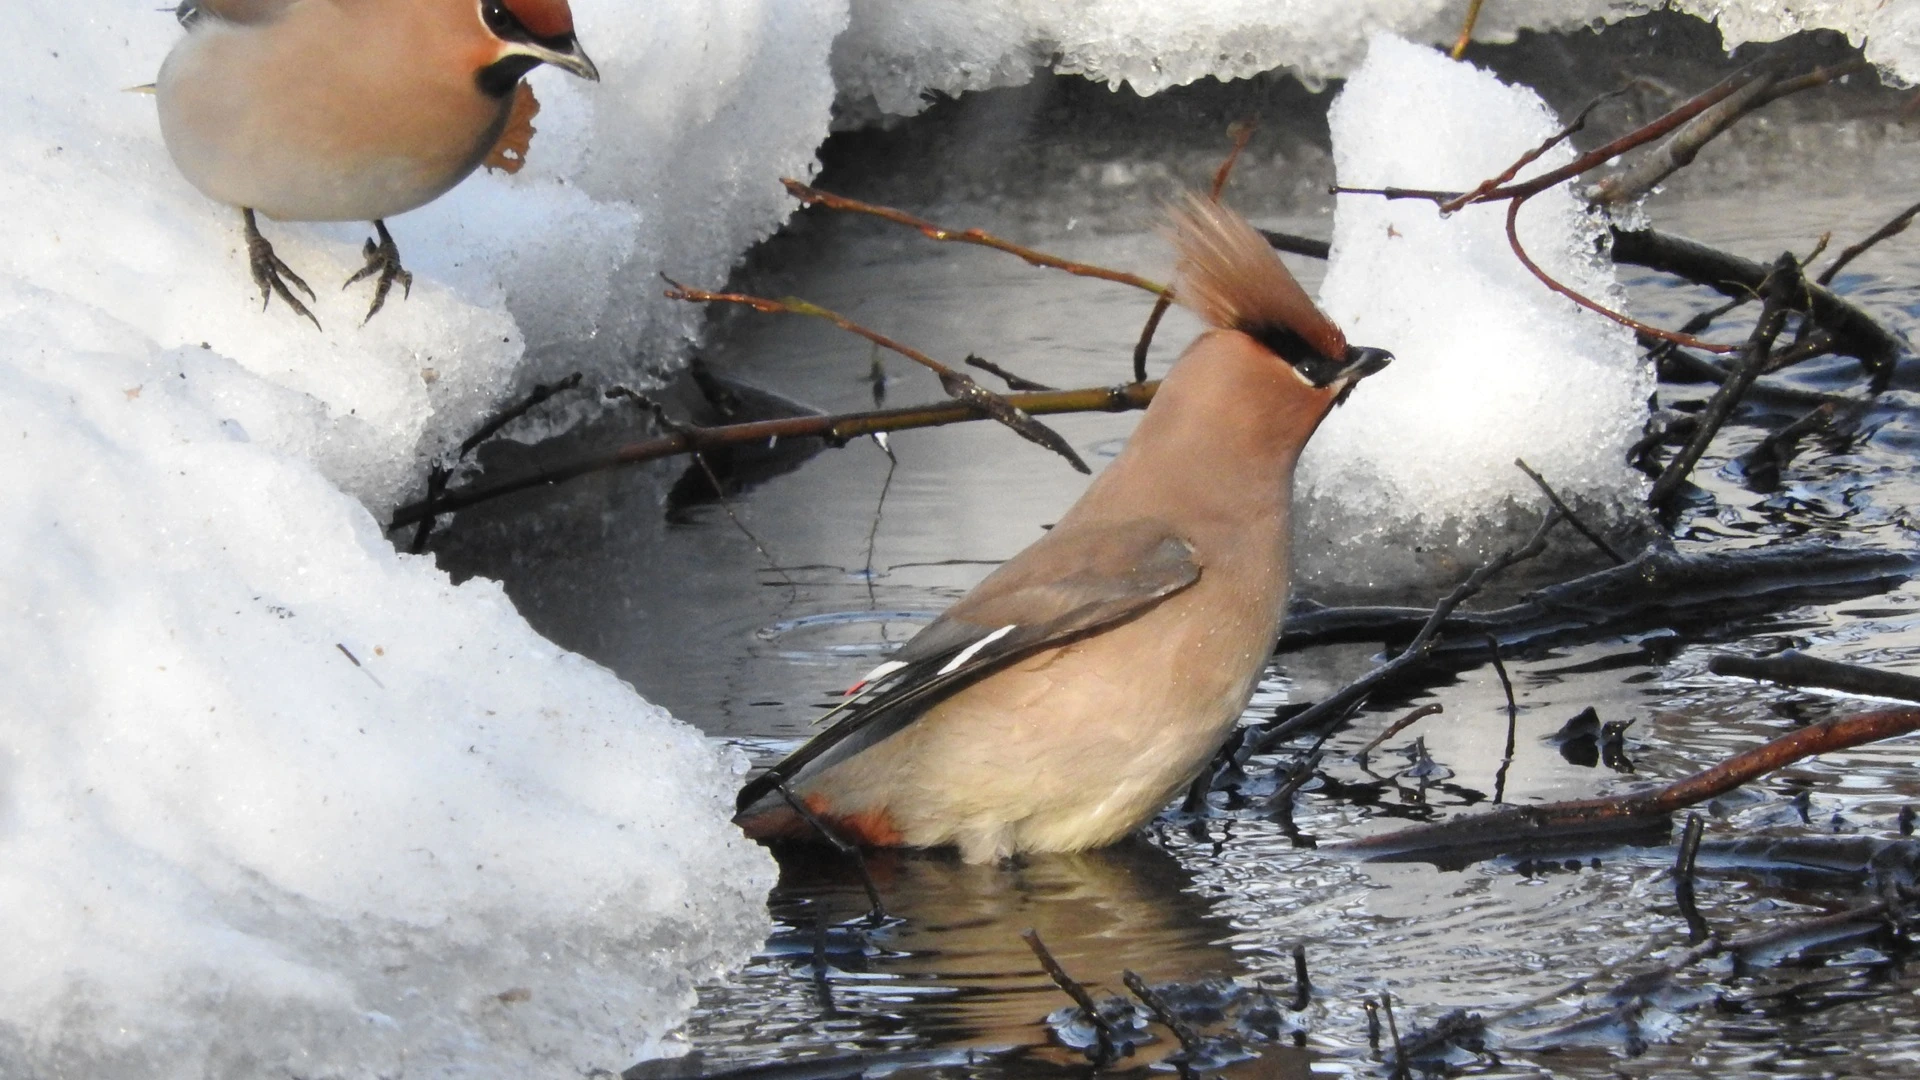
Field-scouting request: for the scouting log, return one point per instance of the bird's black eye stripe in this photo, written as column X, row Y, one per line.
column 504, row 24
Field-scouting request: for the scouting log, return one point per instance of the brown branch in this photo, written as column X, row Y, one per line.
column 1241, row 132
column 1513, row 240
column 1891, row 229
column 835, row 430
column 1398, row 726
column 1635, row 810
column 815, row 197
column 1680, row 148
column 1795, row 668
column 1014, row 382
column 1531, row 156
column 1640, row 136
column 1466, row 30
column 957, row 384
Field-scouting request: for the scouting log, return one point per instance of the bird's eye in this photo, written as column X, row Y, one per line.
column 499, row 19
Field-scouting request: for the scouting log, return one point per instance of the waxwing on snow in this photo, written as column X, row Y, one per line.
column 347, row 110
column 1067, row 698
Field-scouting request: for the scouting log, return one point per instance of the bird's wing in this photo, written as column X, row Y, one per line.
column 190, row 12
column 1100, row 576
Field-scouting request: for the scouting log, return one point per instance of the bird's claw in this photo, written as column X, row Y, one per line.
column 383, row 259
column 272, row 275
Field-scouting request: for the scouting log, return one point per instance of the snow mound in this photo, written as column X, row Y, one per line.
column 1490, row 366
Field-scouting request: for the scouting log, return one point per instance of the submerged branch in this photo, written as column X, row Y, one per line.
column 1476, row 835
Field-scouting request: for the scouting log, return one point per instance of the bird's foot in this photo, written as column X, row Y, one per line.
column 383, row 258
column 271, row 274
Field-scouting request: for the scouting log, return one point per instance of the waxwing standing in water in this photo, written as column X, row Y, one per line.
column 1067, row 698
column 347, row 110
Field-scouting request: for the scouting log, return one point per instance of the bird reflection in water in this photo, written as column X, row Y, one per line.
column 949, row 963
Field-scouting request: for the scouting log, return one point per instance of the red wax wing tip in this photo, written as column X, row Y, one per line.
column 544, row 18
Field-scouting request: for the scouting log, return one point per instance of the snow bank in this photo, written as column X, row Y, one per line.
column 893, row 51
column 1490, row 365
column 273, row 798
column 276, row 800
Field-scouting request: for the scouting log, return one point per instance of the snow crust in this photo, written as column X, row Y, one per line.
column 893, row 52
column 1489, row 366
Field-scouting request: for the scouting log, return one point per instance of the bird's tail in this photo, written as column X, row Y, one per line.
column 1231, row 278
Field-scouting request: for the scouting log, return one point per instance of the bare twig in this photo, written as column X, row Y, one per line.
column 1856, row 333
column 1241, row 132
column 957, row 384
column 980, row 237
column 1349, row 696
column 1107, row 1043
column 836, row 430
column 1646, row 329
column 1891, row 229
column 877, row 911
column 1413, row 717
column 1466, row 30
column 1163, row 1012
column 1781, row 286
column 1573, row 519
column 1014, row 382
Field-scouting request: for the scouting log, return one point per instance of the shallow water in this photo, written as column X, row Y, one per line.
column 748, row 636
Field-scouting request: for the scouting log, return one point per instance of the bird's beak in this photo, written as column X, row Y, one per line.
column 571, row 59
column 1361, row 362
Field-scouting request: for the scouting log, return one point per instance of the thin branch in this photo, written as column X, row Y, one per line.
column 1856, row 333
column 1014, row 382
column 1466, row 30
column 1398, row 726
column 1241, row 132
column 1569, row 131
column 1108, row 1043
column 1891, row 229
column 1781, row 286
column 1573, row 519
column 836, row 430
column 1640, row 136
column 815, row 197
column 1513, row 240
column 1351, row 695
column 957, row 384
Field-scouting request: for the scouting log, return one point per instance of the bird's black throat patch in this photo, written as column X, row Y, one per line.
column 500, row 77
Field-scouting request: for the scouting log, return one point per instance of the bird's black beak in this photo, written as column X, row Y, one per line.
column 1361, row 362
column 568, row 57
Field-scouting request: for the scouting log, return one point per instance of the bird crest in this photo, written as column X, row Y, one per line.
column 1231, row 278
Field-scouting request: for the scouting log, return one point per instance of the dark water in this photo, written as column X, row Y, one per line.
column 747, row 637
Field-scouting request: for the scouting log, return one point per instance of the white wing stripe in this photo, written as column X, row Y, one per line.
column 973, row 650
